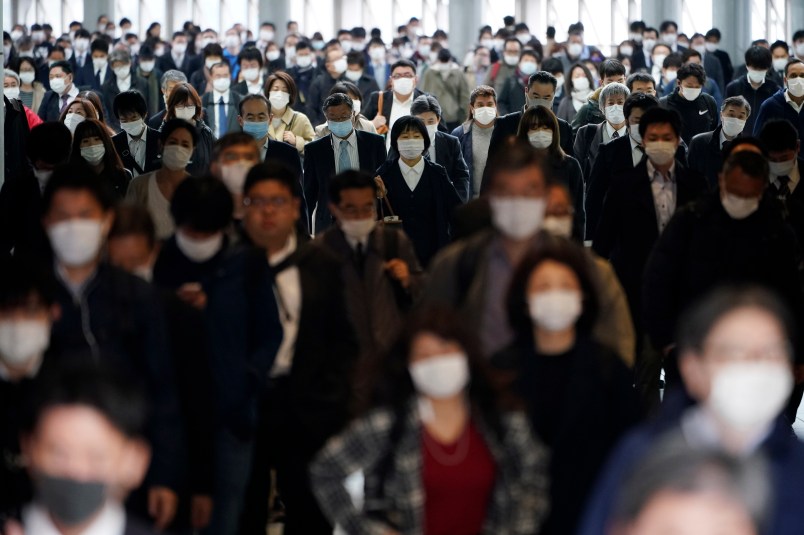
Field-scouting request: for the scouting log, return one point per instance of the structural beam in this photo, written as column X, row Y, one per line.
column 94, row 9
column 796, row 18
column 733, row 17
column 656, row 11
column 278, row 12
column 465, row 20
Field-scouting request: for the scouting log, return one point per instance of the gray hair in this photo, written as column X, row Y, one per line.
column 614, row 89
column 425, row 103
column 736, row 100
column 11, row 74
column 119, row 55
column 337, row 99
column 172, row 76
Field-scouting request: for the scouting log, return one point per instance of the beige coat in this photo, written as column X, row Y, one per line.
column 451, row 90
column 295, row 122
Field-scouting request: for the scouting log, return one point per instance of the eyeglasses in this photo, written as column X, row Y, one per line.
column 405, row 75
column 262, row 202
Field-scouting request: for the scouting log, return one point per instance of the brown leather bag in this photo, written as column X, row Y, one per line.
column 382, row 130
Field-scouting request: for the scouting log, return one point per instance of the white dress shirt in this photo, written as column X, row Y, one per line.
column 664, row 194
column 351, row 148
column 124, row 84
column 137, row 148
column 254, row 89
column 111, row 520
column 398, row 109
column 637, row 152
column 216, row 99
column 609, row 132
column 432, row 151
column 288, row 293
column 790, row 101
column 412, row 175
column 794, row 176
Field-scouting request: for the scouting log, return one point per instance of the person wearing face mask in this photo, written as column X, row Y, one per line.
column 745, row 238
column 706, row 150
column 735, row 354
column 179, row 58
column 504, row 67
column 137, row 144
column 303, row 72
column 418, row 190
column 698, row 110
column 711, row 64
column 123, row 78
column 132, row 247
column 780, row 52
column 445, row 149
column 360, row 121
column 250, row 62
column 62, row 91
column 446, row 79
column 712, row 45
column 757, row 85
column 384, row 108
column 357, row 74
column 475, row 134
column 378, row 66
column 512, row 96
column 32, row 91
column 10, row 56
column 577, row 87
column 640, row 203
column 151, row 76
column 382, row 277
column 345, row 148
column 222, row 103
column 335, row 67
column 77, row 218
column 11, row 92
column 788, row 102
column 287, row 124
column 473, row 274
column 92, row 146
column 437, row 456
column 82, row 58
column 618, row 156
column 48, row 146
column 590, row 137
column 552, row 308
column 156, row 189
column 185, row 104
column 99, row 54
column 169, row 81
column 611, row 71
column 211, row 55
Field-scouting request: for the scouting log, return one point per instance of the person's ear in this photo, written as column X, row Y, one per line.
column 240, row 120
column 694, row 374
column 54, row 312
column 132, row 466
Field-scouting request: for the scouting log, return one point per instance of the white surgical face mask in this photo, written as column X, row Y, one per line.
column 122, row 72
column 732, row 126
column 99, row 63
column 739, row 207
column 794, row 85
column 756, row 77
column 555, row 310
column 558, row 226
column 580, row 84
column 633, row 130
column 199, row 250
column 626, row 50
column 251, row 75
column 800, row 49
column 340, row 66
column 356, row 106
column 660, row 152
column 27, row 77
column 179, row 48
column 234, row 175
column 133, row 128
column 485, row 115
column 353, row 76
column 221, row 85
column 147, row 66
column 782, row 168
column 528, row 67
column 431, row 131
column 279, row 99
column 272, row 55
column 187, row 113
column 176, row 157
column 701, row 49
column 357, row 229
column 441, row 376
column 648, row 44
column 533, row 102
column 403, row 86
column 541, row 139
column 209, row 63
column 304, row 61
column 779, row 64
column 266, row 35
column 12, row 92
column 510, row 59
column 748, row 396
column 574, row 49
column 711, row 47
column 410, row 148
column 76, row 242
column 58, row 86
column 93, row 153
column 614, row 114
column 517, row 218
column 690, row 93
column 21, row 341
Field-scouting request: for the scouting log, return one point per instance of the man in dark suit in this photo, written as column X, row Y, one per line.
column 357, row 74
column 306, row 401
column 540, row 92
column 640, row 203
column 335, row 65
column 61, row 94
column 169, row 80
column 99, row 51
column 782, row 144
column 591, row 137
column 756, row 86
column 615, row 158
column 713, row 47
column 221, row 105
column 179, row 58
column 396, row 101
column 706, row 150
column 123, row 78
column 345, row 148
column 82, row 59
column 137, row 144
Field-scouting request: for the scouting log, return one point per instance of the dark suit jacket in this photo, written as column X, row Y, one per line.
column 188, row 66
column 50, row 106
column 83, row 76
column 232, row 111
column 152, row 161
column 628, row 227
column 367, row 85
column 706, row 156
column 450, row 156
column 370, row 109
column 110, row 90
column 319, row 90
column 157, row 119
column 587, row 143
column 725, row 63
column 319, row 168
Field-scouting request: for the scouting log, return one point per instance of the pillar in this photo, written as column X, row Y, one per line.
column 465, row 20
column 278, row 12
column 733, row 18
column 656, row 11
column 94, row 9
column 796, row 18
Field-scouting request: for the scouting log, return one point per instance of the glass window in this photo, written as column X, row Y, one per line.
column 696, row 16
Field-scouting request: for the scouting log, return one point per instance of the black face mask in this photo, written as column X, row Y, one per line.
column 71, row 502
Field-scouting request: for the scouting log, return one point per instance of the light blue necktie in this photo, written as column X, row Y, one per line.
column 344, row 161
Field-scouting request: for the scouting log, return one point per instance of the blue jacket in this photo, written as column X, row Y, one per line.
column 784, row 453
column 776, row 107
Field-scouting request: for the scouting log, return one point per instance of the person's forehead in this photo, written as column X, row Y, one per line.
column 403, row 69
column 240, row 149
column 796, row 67
column 540, row 87
column 255, row 106
column 734, row 108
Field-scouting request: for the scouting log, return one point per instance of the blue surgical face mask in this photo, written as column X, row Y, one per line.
column 255, row 130
column 340, row 128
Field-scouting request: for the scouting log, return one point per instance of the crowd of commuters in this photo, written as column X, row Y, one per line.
column 364, row 284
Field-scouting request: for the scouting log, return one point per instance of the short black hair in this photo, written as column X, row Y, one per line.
column 356, row 57
column 352, row 179
column 131, row 100
column 50, row 142
column 692, row 70
column 23, row 280
column 82, row 32
column 345, row 86
column 611, row 67
column 174, row 124
column 409, row 122
column 273, row 170
column 639, row 77
column 337, row 99
column 204, row 204
column 791, row 61
column 780, row 44
column 542, row 77
column 99, row 45
column 77, row 176
column 425, row 103
column 660, row 115
column 778, row 135
column 403, row 63
column 303, row 44
column 666, row 24
column 250, row 53
column 133, row 220
column 253, row 96
column 553, row 66
column 713, row 33
column 213, row 49
column 641, row 101
column 759, row 57
column 64, row 65
column 95, row 384
column 752, row 164
column 799, row 34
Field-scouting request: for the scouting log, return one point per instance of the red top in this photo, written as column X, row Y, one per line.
column 458, row 480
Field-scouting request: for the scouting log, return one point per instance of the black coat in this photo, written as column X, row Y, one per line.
column 367, row 85
column 370, row 109
column 202, row 153
column 152, row 161
column 21, row 215
column 50, row 107
column 110, row 90
column 568, row 172
column 232, row 111
column 319, row 90
column 725, row 63
column 156, row 120
column 450, row 156
column 319, row 168
column 16, row 490
column 16, row 132
column 699, row 116
column 588, row 141
column 703, row 247
column 83, row 76
column 755, row 97
column 628, row 227
column 613, row 158
column 706, row 156
column 189, row 64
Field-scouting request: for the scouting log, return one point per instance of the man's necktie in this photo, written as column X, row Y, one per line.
column 615, row 135
column 64, row 100
column 344, row 161
column 97, row 78
column 783, row 191
column 360, row 258
column 222, row 121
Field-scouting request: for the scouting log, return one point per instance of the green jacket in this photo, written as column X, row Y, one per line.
column 589, row 113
